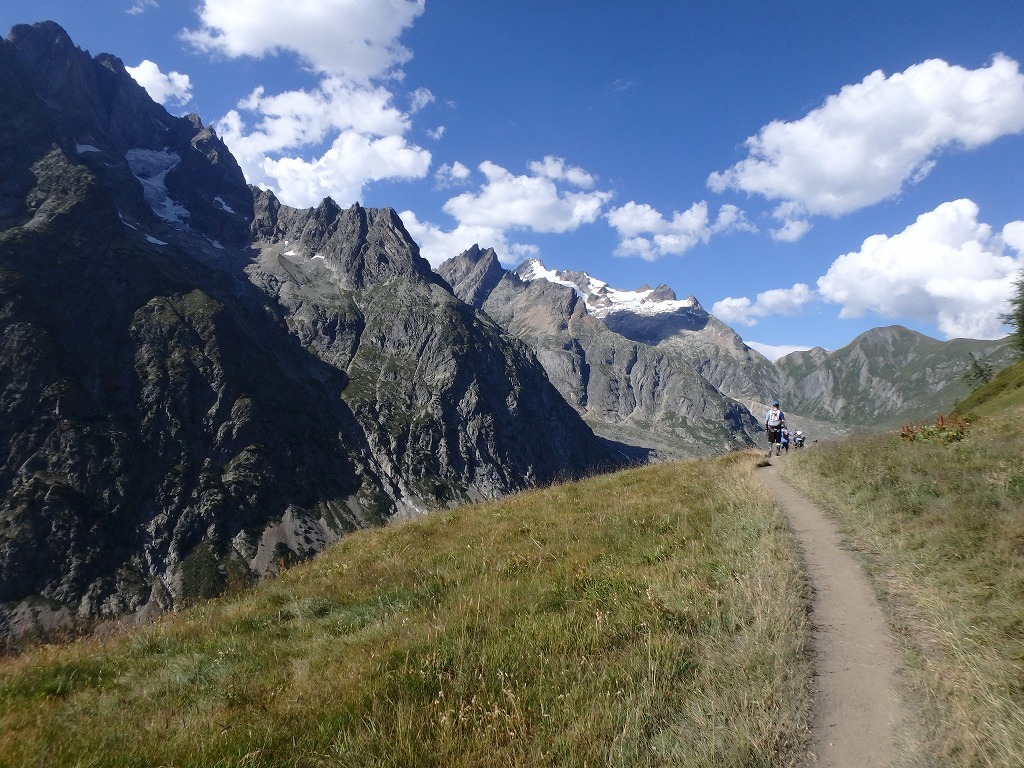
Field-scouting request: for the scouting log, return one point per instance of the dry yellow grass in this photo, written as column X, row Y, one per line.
column 941, row 529
column 651, row 617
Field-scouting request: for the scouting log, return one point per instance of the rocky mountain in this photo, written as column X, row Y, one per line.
column 883, row 378
column 199, row 384
column 627, row 390
column 655, row 317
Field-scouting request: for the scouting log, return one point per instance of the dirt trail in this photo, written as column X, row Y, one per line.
column 857, row 710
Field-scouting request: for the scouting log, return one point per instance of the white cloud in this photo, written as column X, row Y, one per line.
column 869, row 140
column 341, row 172
column 774, row 351
column 452, row 175
column 436, row 245
column 354, row 39
column 555, row 168
column 644, row 232
column 346, row 132
column 420, row 98
column 297, row 119
column 141, row 6
column 794, row 224
column 947, row 268
column 172, row 88
column 527, row 202
column 777, row 301
column 536, row 202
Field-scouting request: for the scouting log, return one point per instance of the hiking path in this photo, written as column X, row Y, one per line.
column 856, row 710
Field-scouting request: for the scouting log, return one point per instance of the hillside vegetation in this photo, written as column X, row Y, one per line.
column 656, row 616
column 937, row 514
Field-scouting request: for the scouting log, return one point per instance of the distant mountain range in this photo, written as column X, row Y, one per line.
column 645, row 345
column 200, row 384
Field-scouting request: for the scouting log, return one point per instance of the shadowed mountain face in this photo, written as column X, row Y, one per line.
column 199, row 384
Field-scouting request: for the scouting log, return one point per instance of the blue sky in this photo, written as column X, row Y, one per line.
column 806, row 170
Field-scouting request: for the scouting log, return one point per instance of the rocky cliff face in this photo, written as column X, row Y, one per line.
column 199, row 384
column 627, row 390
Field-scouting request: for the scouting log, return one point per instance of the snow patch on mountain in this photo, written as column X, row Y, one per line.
column 602, row 299
column 151, row 169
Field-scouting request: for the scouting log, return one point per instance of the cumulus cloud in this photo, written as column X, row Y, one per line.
column 946, row 267
column 788, row 302
column 646, row 233
column 357, row 40
column 341, row 172
column 295, row 119
column 420, row 98
column 533, row 202
column 452, row 175
column 171, row 88
column 555, row 168
column 344, row 133
column 872, row 138
column 548, row 199
column 141, row 6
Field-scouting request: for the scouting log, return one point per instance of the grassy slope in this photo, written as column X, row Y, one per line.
column 1005, row 392
column 941, row 529
column 651, row 617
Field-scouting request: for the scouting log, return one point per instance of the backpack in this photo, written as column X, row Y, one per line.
column 774, row 417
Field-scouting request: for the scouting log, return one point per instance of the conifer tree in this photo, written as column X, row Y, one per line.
column 1015, row 317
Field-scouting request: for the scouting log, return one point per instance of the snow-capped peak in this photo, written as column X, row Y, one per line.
column 602, row 299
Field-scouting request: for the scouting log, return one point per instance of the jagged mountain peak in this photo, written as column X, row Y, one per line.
column 362, row 246
column 478, row 271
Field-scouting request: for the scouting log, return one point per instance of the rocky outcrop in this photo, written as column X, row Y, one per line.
column 198, row 384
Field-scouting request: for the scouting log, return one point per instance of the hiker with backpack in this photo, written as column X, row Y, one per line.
column 774, row 421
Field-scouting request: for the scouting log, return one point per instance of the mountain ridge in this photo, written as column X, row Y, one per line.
column 882, row 377
column 186, row 402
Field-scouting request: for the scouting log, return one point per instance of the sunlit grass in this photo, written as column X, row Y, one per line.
column 941, row 528
column 650, row 617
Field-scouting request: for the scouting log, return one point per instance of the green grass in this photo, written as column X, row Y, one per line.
column 652, row 617
column 940, row 527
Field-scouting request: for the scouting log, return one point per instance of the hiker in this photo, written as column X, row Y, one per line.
column 774, row 421
column 785, row 439
column 798, row 440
